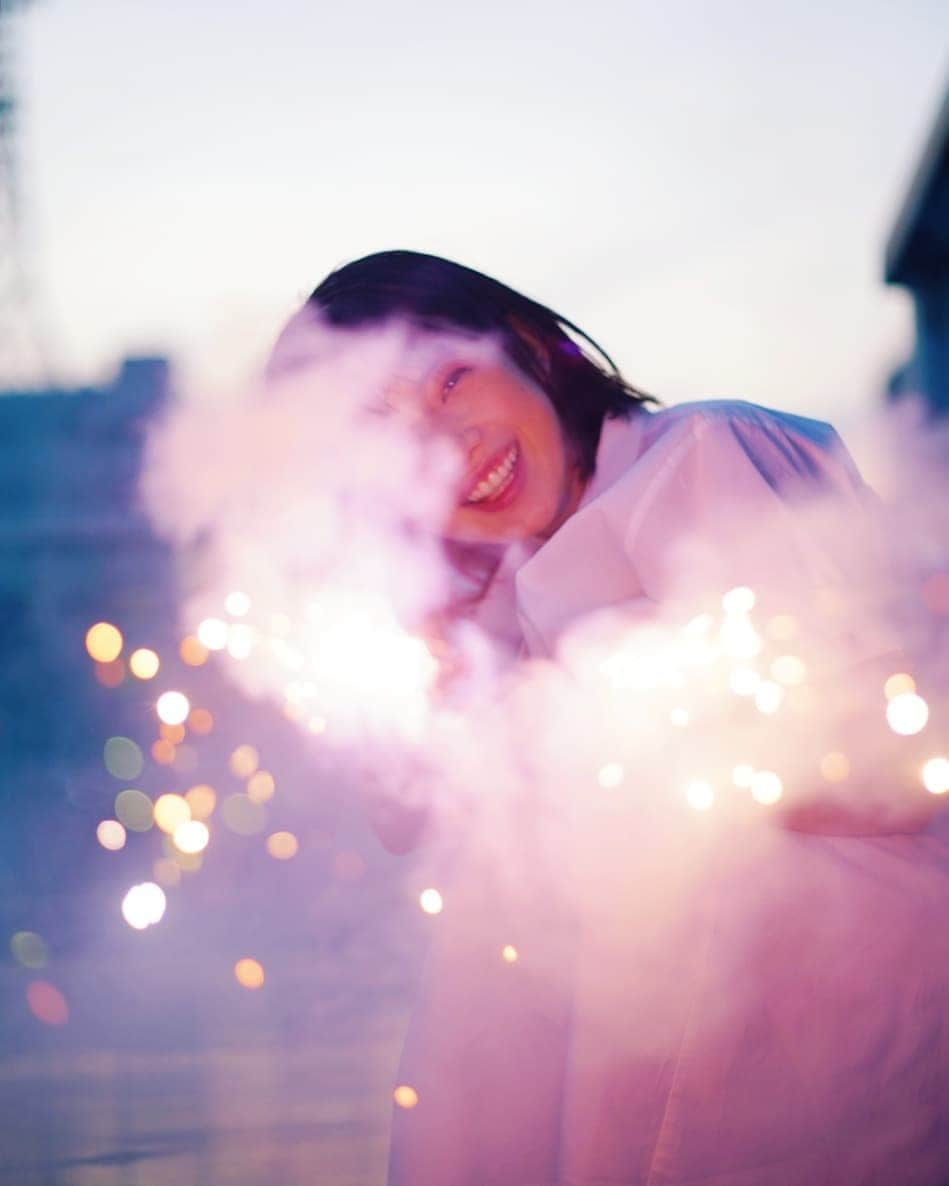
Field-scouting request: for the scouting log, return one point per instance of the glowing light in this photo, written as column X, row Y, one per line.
column 789, row 670
column 744, row 681
column 46, row 1003
column 29, row 949
column 738, row 601
column 699, row 625
column 897, row 684
column 699, row 795
column 835, row 766
column 509, row 953
column 739, row 638
column 163, row 752
column 144, row 905
column 200, row 721
column 743, row 774
column 193, row 651
column 172, row 708
column 171, row 811
column 237, row 604
column 610, row 775
column 104, row 642
column 282, row 845
column 907, row 714
column 769, row 697
column 261, row 786
column 243, row 816
column 110, row 675
column 133, row 808
column 241, row 641
column 781, row 628
column 249, row 973
column 431, row 901
column 201, row 799
column 405, row 1096
column 191, row 836
column 212, row 633
column 166, row 872
column 936, row 776
column 173, row 733
column 316, row 725
column 766, row 787
column 244, row 761
column 144, row 664
column 111, row 835
column 679, row 717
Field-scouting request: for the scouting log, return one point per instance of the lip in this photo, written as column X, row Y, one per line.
column 512, row 489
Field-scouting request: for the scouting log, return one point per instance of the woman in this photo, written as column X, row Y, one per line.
column 831, row 1065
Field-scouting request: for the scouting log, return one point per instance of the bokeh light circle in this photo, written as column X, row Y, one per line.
column 29, row 949
column 104, row 642
column 907, row 714
column 110, row 834
column 936, row 775
column 144, row 663
column 171, row 811
column 173, row 708
column 249, row 973
column 144, row 905
column 191, row 836
column 431, row 901
column 123, row 759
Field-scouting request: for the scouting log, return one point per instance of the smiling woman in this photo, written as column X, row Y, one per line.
column 604, row 1052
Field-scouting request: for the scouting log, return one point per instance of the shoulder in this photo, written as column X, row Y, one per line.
column 780, row 446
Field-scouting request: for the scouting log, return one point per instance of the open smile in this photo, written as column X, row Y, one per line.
column 492, row 486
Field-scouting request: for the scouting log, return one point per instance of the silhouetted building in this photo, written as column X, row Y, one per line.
column 917, row 257
column 74, row 548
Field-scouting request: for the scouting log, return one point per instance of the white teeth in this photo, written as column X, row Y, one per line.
column 496, row 480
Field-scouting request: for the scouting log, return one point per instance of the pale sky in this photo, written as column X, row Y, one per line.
column 707, row 189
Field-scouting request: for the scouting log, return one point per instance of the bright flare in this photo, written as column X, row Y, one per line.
column 191, row 836
column 144, row 905
column 173, row 708
column 699, row 795
column 936, row 776
column 237, row 604
column 907, row 714
column 509, row 953
column 431, row 901
column 766, row 787
column 212, row 633
column 738, row 601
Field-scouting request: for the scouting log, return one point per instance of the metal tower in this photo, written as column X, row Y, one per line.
column 22, row 358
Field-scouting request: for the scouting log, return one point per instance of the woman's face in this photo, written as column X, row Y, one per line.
column 518, row 471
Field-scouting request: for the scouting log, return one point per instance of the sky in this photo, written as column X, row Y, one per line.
column 706, row 189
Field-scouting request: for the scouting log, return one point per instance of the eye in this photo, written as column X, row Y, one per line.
column 452, row 379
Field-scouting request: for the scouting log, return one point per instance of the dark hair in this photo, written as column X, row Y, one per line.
column 436, row 293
